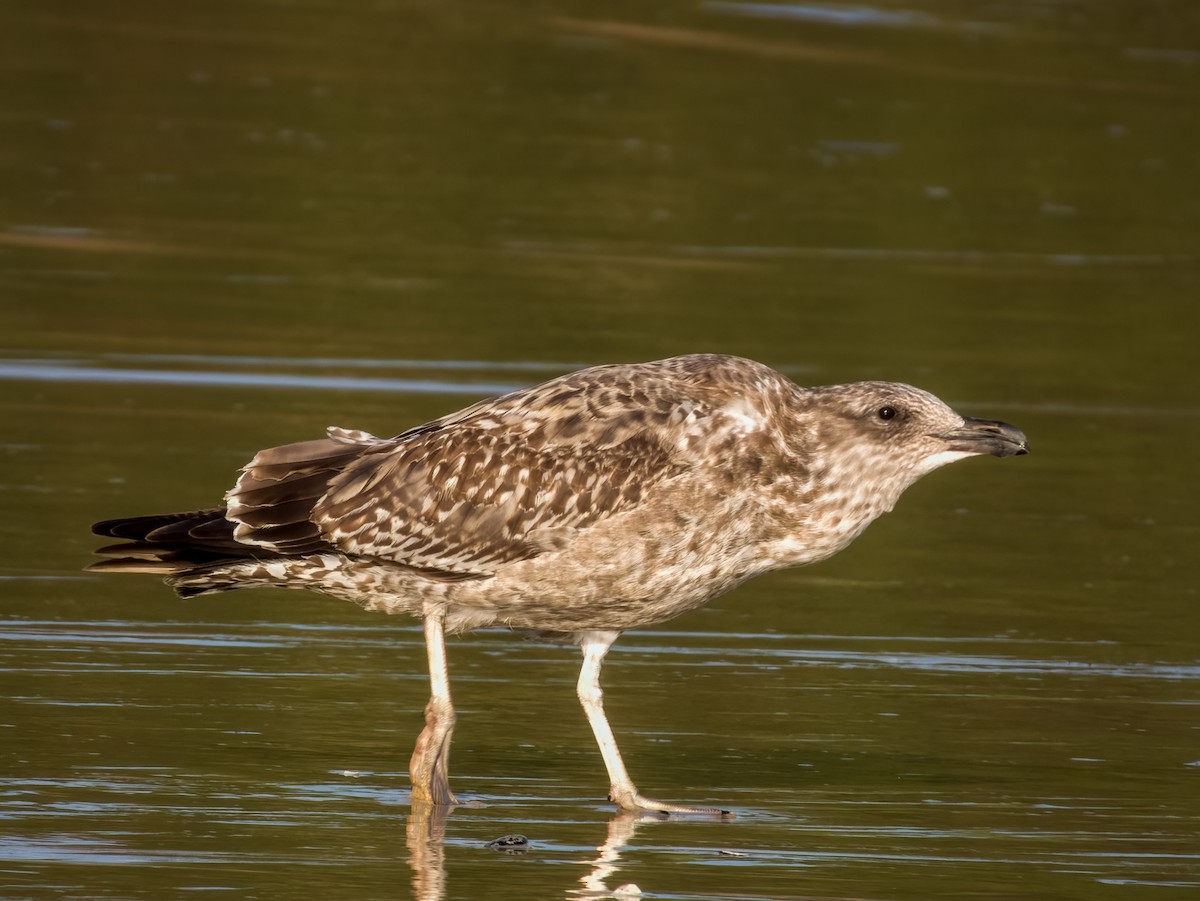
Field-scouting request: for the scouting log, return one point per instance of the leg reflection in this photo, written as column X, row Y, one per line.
column 426, row 833
column 620, row 832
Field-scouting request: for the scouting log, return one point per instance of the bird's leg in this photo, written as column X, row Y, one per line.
column 429, row 768
column 621, row 791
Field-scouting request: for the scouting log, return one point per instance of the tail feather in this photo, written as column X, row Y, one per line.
column 154, row 566
column 134, row 550
column 266, row 517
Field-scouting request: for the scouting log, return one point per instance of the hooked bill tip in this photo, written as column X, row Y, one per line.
column 989, row 436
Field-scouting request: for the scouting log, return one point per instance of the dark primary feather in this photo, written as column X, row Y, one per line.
column 167, row 543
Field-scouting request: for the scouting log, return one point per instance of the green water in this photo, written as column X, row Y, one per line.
column 225, row 226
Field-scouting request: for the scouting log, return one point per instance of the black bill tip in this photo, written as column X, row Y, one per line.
column 988, row 436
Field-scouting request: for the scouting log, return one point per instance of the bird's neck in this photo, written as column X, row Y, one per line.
column 824, row 512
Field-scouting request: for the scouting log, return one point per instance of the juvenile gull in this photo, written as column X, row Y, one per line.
column 607, row 499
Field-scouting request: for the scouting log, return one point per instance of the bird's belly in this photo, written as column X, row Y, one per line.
column 631, row 570
column 621, row 580
column 594, row 584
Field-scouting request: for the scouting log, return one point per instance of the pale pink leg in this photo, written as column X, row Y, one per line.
column 622, row 791
column 429, row 767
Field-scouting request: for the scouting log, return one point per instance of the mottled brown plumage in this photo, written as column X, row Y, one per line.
column 604, row 500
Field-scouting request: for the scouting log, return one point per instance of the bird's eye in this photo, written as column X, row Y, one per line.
column 886, row 412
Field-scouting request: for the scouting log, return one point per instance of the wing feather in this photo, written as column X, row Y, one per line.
column 466, row 498
column 503, row 480
column 516, row 476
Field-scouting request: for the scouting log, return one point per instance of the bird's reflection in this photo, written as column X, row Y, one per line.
column 620, row 831
column 426, row 832
column 425, row 835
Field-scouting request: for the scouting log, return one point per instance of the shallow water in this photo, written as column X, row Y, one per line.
column 229, row 227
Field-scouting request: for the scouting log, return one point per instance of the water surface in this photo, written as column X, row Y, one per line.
column 227, row 227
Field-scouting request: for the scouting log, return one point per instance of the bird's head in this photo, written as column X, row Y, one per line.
column 883, row 436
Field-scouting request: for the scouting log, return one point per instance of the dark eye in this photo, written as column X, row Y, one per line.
column 886, row 412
